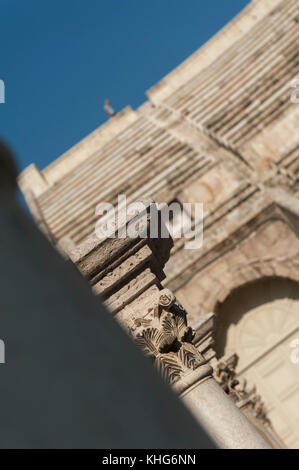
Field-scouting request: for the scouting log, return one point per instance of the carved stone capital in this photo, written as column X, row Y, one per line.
column 165, row 336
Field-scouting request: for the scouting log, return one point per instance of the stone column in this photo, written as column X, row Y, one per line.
column 128, row 273
column 224, row 422
column 168, row 340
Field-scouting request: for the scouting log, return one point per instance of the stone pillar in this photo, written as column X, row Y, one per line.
column 128, row 273
column 228, row 427
column 168, row 340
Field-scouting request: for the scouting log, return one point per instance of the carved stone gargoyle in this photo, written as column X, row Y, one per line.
column 226, row 377
column 168, row 339
column 237, row 388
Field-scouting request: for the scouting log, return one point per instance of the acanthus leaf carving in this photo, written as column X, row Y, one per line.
column 170, row 342
column 169, row 367
column 150, row 341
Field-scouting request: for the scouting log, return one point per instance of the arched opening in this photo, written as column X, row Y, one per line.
column 259, row 321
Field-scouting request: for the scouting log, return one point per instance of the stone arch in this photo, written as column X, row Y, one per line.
column 241, row 275
column 258, row 320
column 249, row 295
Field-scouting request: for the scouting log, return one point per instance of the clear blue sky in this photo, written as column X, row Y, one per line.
column 61, row 58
